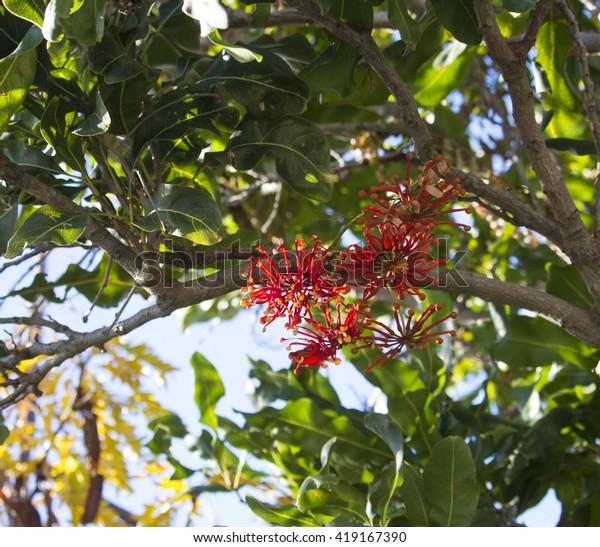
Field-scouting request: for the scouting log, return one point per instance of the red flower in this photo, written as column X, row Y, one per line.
column 417, row 203
column 409, row 333
column 395, row 257
column 322, row 339
column 290, row 285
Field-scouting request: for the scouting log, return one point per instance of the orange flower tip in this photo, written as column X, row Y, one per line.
column 396, row 307
column 437, row 307
column 467, row 228
column 287, row 348
column 452, row 333
column 469, row 210
column 421, row 296
column 354, row 351
column 337, row 361
column 297, row 371
column 410, row 156
column 453, row 315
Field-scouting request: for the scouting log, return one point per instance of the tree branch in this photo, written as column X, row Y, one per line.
column 522, row 47
column 180, row 296
column 574, row 320
column 581, row 248
column 589, row 102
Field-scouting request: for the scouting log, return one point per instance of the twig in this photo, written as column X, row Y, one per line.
column 121, row 309
column 274, row 211
column 100, row 290
column 39, row 322
column 589, row 102
column 39, row 249
column 522, row 47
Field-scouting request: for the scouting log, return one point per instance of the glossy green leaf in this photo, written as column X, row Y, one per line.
column 16, row 75
column 279, row 516
column 459, row 17
column 209, row 389
column 189, row 212
column 449, row 483
column 402, row 20
column 55, row 17
column 31, row 158
column 30, row 10
column 88, row 22
column 97, row 123
column 47, row 224
column 165, row 428
column 413, row 494
column 298, row 146
column 381, row 425
column 238, row 52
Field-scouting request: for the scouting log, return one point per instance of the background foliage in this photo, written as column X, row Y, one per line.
column 189, row 131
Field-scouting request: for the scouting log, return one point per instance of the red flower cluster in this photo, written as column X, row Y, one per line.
column 309, row 286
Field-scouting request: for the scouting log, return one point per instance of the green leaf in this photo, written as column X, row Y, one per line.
column 380, row 493
column 459, row 17
column 279, row 516
column 31, row 158
column 9, row 213
column 268, row 89
column 209, row 389
column 450, row 484
column 566, row 283
column 401, row 19
column 300, row 150
column 165, row 428
column 30, row 10
column 434, row 81
column 578, row 147
column 532, row 341
column 16, row 75
column 4, row 433
column 56, row 14
column 554, row 41
column 96, row 124
column 413, row 494
column 332, row 70
column 238, row 52
column 190, row 212
column 88, row 22
column 381, row 425
column 47, row 224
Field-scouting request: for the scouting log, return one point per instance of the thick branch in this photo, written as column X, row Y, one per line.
column 578, row 244
column 574, row 320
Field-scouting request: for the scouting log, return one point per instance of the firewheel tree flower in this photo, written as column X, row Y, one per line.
column 290, row 284
column 309, row 286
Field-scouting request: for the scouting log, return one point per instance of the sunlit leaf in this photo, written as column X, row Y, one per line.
column 16, row 75
column 48, row 224
column 209, row 389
